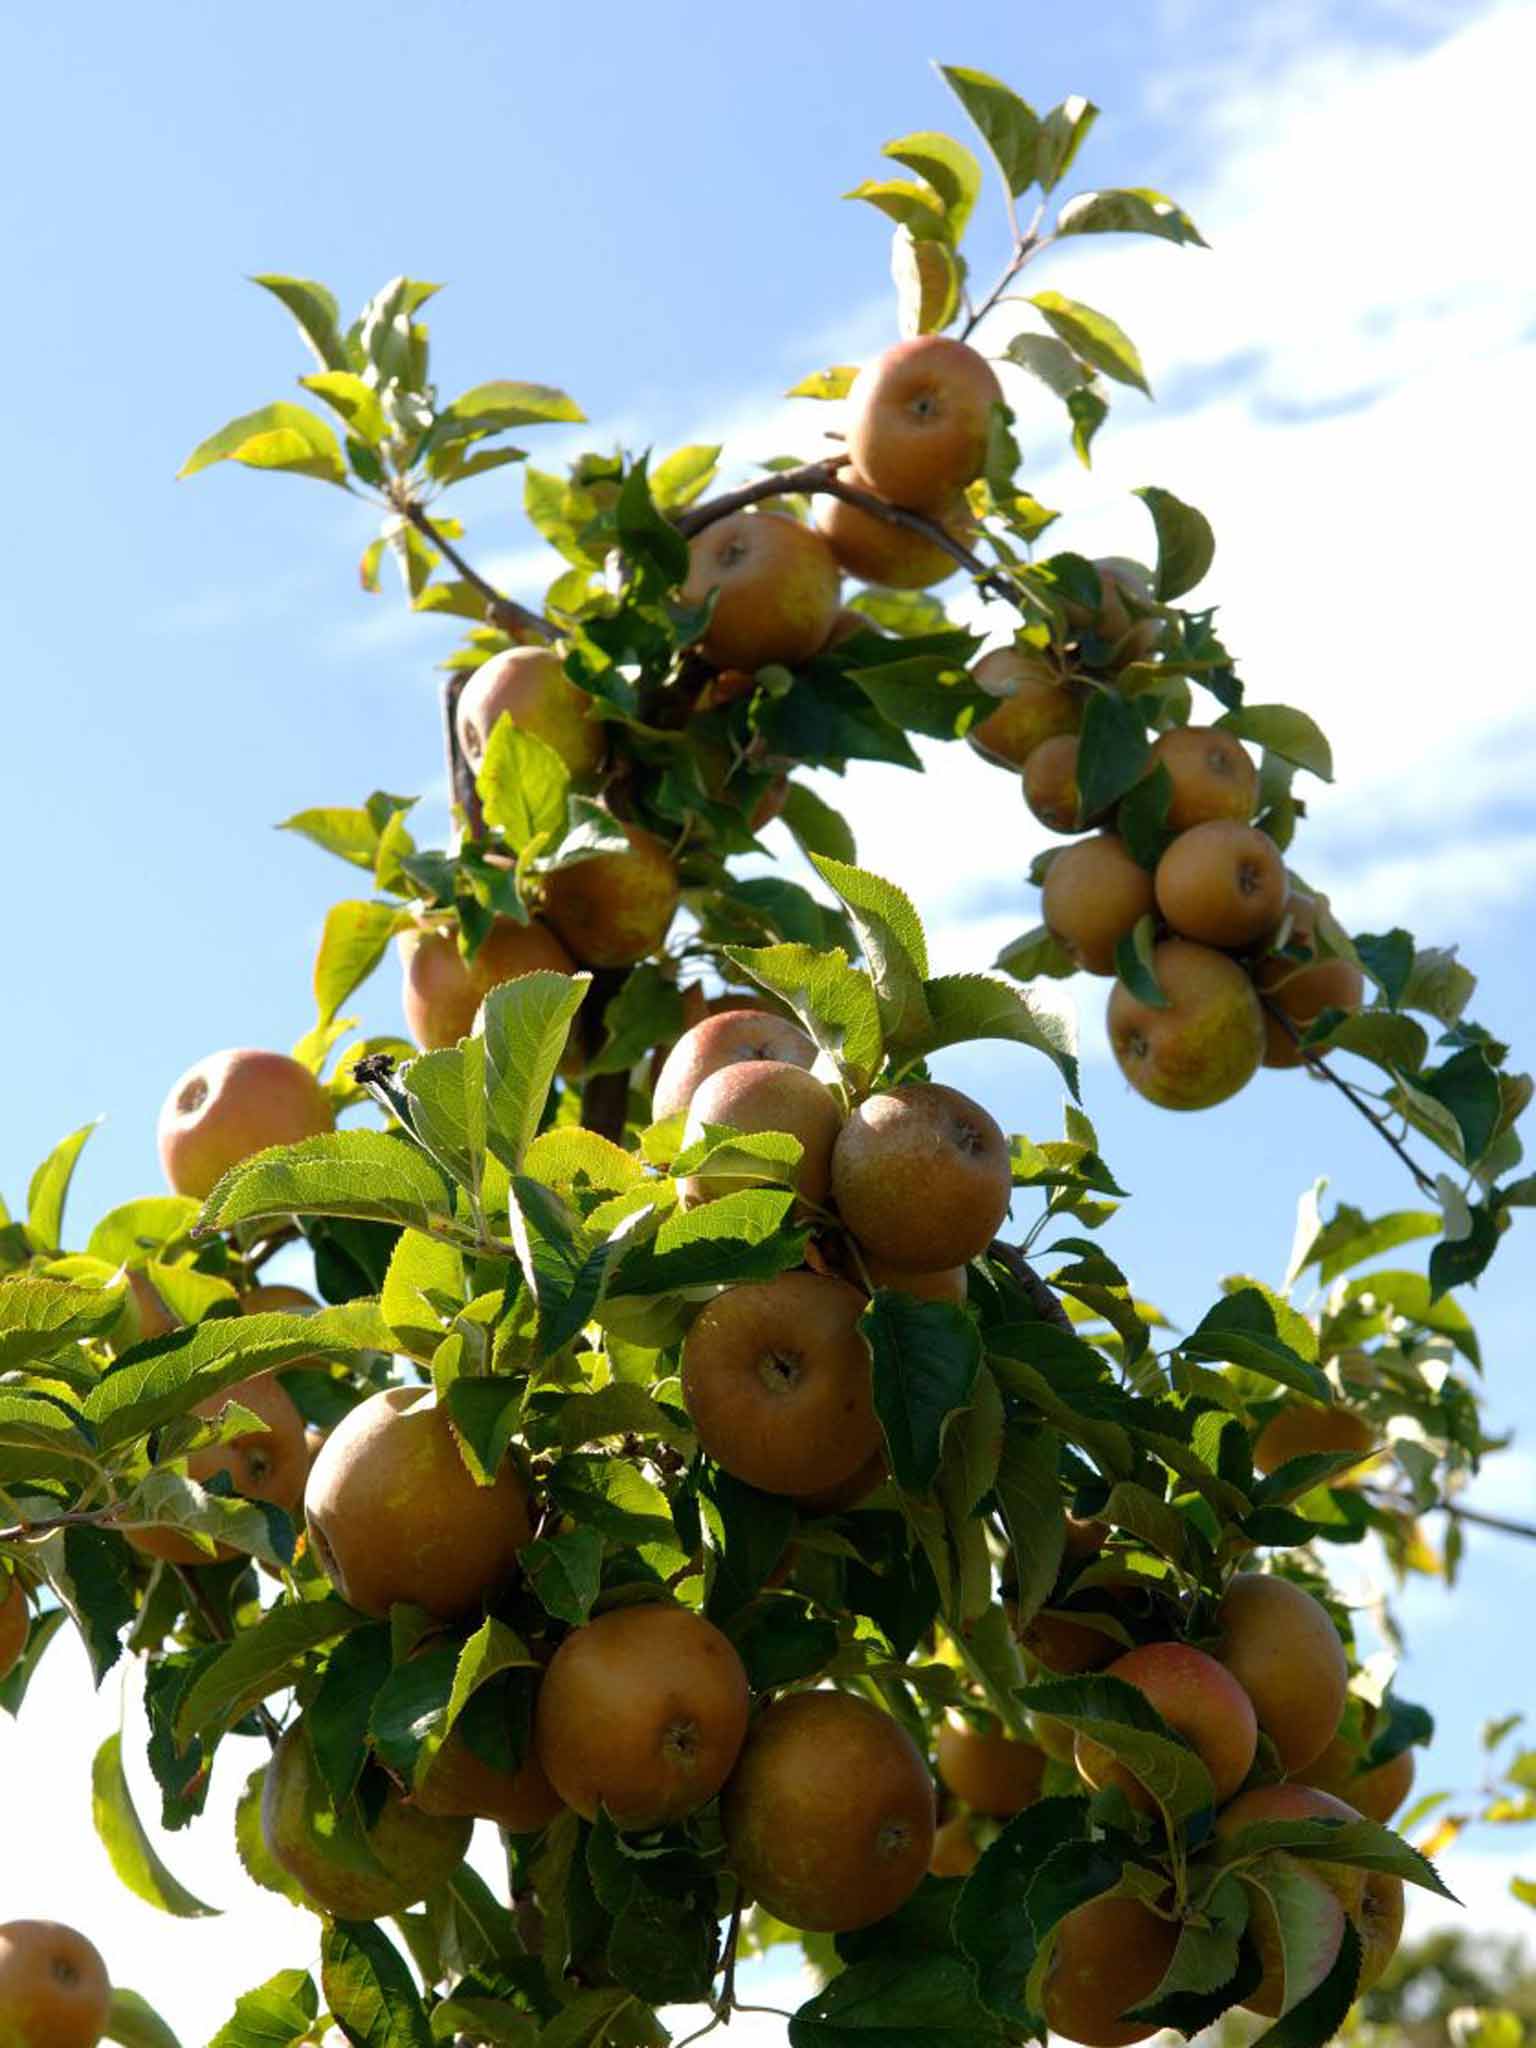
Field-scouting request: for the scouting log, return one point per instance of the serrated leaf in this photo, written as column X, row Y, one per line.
column 835, row 1002
column 524, row 785
column 278, row 2014
column 1008, row 125
column 1128, row 210
column 565, row 1572
column 503, row 404
column 129, row 1849
column 1093, row 337
column 948, row 166
column 926, row 1355
column 280, row 436
column 527, row 1023
column 1121, row 1719
column 1112, row 752
column 354, row 401
column 354, row 940
column 1242, row 1330
column 1029, row 1496
column 1185, row 543
column 315, row 310
column 49, row 1189
column 371, row 1175
column 370, row 1992
column 262, row 1659
column 1283, row 731
column 964, row 1007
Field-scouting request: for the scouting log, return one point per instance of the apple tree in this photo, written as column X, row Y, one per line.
column 709, row 1451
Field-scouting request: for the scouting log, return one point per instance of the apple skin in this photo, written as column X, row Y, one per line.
column 922, row 1176
column 1108, row 1957
column 394, row 1515
column 1212, row 773
column 458, row 1783
column 643, row 1711
column 54, row 1989
column 346, row 1867
column 1035, row 704
column 992, row 1772
column 954, row 1853
column 777, row 1380
column 765, row 1095
column 1291, row 1801
column 15, row 1622
column 612, row 909
column 529, row 685
column 829, row 1815
column 726, row 1039
column 919, row 419
column 1200, row 1700
column 778, row 587
column 876, row 551
column 1378, row 1793
column 1274, row 1993
column 1302, row 990
column 442, row 992
column 1303, row 1428
column 270, row 1464
column 1283, row 1649
column 1050, row 785
column 1208, row 1042
column 1094, row 896
column 231, row 1105
column 1222, row 884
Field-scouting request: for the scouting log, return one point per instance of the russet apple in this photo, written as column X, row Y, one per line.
column 919, row 419
column 234, row 1104
column 1204, row 1045
column 529, row 685
column 777, row 588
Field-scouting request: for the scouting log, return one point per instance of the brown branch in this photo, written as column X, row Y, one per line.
column 83, row 1518
column 1042, row 1298
column 504, row 612
column 1357, row 1100
column 1502, row 1523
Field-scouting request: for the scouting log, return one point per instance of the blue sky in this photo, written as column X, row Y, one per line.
column 643, row 207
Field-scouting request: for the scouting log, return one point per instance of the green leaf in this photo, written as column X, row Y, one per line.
column 523, row 784
column 734, row 1238
column 920, row 211
column 993, row 1923
column 1112, row 752
column 1303, row 1941
column 1185, row 542
column 835, row 382
column 354, row 940
column 1134, row 964
column 1364, row 1844
column 1387, row 958
column 816, row 826
column 1035, row 953
column 948, row 166
column 356, row 402
column 1438, row 985
column 1029, row 1495
column 527, row 1023
column 1242, row 1329
column 1408, row 1294
column 1094, row 337
column 1123, row 1720
column 565, row 1572
column 371, row 1175
column 835, row 1002
column 278, row 2014
column 49, row 1188
column 897, row 2002
column 648, row 539
column 891, row 938
column 927, row 280
column 1008, row 125
column 681, row 476
column 370, row 1992
column 500, row 405
column 317, row 314
column 965, row 1007
column 1128, row 210
column 1283, row 731
column 133, row 2022
column 280, row 436
column 263, row 1659
column 1062, row 134
column 926, row 1357
column 1469, row 1088
column 129, row 1849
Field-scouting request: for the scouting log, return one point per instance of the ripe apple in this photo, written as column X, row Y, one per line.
column 1284, row 1651
column 54, row 1991
column 611, row 909
column 1380, row 1926
column 877, row 551
column 347, row 1864
column 234, row 1104
column 1050, row 784
column 829, row 1815
column 922, row 1176
column 1107, row 1957
column 15, row 1621
column 394, row 1515
column 1094, row 896
column 954, row 1853
column 948, row 1284
column 778, row 590
column 1303, row 1428
column 919, row 419
column 1207, row 1042
column 1123, row 627
column 442, row 991
column 1279, row 1988
column 721, row 1041
column 846, row 624
column 272, row 1297
column 642, row 1711
column 529, row 685
column 459, row 1783
column 765, row 1095
column 1377, row 1792
column 1222, row 884
column 1200, row 1700
column 269, row 1464
column 1302, row 990
column 776, row 1376
column 1035, row 704
column 145, row 1315
column 1298, row 1802
column 991, row 1771
column 1213, row 776
column 832, row 1500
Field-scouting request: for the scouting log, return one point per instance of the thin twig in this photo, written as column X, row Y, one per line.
column 1502, row 1523
column 504, row 612
column 89, row 1518
column 1042, row 1298
column 1356, row 1098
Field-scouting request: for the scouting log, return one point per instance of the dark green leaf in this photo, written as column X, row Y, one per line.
column 1185, row 542
column 368, row 1988
column 926, row 1357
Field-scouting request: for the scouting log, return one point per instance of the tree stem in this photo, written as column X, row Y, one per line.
column 461, row 777
column 504, row 612
column 1042, row 1298
column 1357, row 1101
